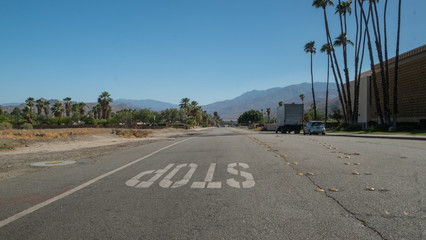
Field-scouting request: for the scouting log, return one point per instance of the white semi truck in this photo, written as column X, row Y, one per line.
column 289, row 118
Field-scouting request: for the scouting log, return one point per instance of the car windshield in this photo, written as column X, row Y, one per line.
column 317, row 124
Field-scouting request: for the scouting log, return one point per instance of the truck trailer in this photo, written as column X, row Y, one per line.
column 289, row 118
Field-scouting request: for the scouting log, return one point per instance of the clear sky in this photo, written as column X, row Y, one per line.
column 206, row 50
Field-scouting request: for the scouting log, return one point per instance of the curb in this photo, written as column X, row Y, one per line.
column 398, row 137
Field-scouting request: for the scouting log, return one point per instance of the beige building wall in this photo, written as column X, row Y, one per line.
column 411, row 86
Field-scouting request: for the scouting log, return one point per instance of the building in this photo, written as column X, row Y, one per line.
column 411, row 89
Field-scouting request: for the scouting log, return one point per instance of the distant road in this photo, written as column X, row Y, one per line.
column 227, row 184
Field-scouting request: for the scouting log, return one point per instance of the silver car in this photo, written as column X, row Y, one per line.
column 314, row 127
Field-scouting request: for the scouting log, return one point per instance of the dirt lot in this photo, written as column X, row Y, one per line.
column 20, row 148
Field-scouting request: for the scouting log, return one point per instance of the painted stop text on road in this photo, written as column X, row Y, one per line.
column 233, row 169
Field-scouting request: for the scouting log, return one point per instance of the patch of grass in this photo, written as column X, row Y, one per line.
column 6, row 147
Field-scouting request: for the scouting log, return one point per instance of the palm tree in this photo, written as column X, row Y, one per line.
column 82, row 109
column 372, row 65
column 338, row 77
column 58, row 109
column 326, row 49
column 280, row 103
column 310, row 48
column 302, row 97
column 28, row 113
column 344, row 8
column 395, row 84
column 184, row 104
column 30, row 103
column 67, row 106
column 39, row 105
column 46, row 107
column 268, row 111
column 104, row 100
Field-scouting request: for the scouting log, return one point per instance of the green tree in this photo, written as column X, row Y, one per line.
column 252, row 116
column 39, row 106
column 28, row 113
column 310, row 48
column 16, row 114
column 67, row 106
column 280, row 103
column 104, row 100
column 58, row 109
column 46, row 107
column 82, row 108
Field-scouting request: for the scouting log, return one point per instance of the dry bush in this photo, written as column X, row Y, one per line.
column 131, row 133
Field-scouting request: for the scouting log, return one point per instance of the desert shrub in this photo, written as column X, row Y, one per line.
column 27, row 126
column 5, row 125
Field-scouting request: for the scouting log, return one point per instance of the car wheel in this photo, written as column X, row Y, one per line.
column 323, row 133
column 310, row 133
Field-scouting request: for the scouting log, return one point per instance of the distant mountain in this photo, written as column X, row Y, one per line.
column 262, row 99
column 148, row 103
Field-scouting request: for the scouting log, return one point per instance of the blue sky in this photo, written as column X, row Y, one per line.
column 207, row 50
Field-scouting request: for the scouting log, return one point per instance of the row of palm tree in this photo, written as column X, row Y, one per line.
column 196, row 115
column 365, row 20
column 101, row 111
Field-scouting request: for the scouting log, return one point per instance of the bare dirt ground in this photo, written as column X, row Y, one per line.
column 19, row 148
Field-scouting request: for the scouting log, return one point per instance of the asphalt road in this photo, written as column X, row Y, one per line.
column 227, row 184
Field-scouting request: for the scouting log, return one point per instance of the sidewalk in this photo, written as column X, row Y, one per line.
column 396, row 136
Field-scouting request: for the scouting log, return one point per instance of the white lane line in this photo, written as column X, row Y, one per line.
column 65, row 194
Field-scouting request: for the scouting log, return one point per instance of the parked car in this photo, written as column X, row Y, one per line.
column 314, row 127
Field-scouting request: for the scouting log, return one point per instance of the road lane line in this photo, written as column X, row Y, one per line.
column 65, row 194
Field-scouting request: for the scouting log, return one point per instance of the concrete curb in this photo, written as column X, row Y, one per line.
column 399, row 137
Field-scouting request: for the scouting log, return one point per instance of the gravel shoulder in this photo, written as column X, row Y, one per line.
column 16, row 161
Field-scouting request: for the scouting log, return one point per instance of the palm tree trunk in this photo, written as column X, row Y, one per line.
column 326, row 92
column 395, row 86
column 313, row 92
column 342, row 94
column 385, row 84
column 373, row 69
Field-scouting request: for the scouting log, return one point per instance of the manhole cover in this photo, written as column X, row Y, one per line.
column 50, row 164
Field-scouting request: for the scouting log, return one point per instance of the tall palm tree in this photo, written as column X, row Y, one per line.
column 39, row 106
column 344, row 8
column 67, row 106
column 104, row 100
column 334, row 66
column 326, row 49
column 58, row 109
column 310, row 48
column 385, row 83
column 280, row 103
column 46, row 107
column 395, row 84
column 372, row 65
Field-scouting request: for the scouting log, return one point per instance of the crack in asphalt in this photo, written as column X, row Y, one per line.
column 354, row 215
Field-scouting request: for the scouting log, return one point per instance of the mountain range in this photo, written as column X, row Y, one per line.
column 233, row 108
